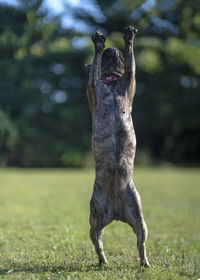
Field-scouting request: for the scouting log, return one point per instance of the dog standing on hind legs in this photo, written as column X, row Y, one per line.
column 111, row 89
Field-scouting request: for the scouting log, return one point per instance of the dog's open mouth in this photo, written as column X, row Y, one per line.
column 109, row 79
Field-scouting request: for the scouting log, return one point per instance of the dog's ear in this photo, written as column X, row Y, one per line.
column 88, row 67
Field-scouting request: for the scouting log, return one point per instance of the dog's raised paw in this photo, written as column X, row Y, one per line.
column 99, row 40
column 129, row 33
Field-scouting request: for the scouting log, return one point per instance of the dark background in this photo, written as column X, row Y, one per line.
column 44, row 115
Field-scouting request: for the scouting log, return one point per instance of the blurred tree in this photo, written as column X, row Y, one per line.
column 43, row 99
column 44, row 115
column 167, row 52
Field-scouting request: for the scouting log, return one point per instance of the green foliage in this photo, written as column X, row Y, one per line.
column 43, row 81
column 8, row 136
column 41, row 92
column 45, row 232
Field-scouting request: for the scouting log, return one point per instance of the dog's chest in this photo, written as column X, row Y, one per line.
column 112, row 116
column 112, row 102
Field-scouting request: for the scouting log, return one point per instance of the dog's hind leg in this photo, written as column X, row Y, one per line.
column 140, row 229
column 100, row 216
column 96, row 237
column 134, row 217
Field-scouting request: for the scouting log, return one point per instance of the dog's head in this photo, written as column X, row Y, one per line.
column 112, row 62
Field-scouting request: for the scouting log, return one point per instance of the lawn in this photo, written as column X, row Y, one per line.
column 44, row 228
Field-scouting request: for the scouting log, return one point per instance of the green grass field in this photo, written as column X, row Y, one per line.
column 44, row 228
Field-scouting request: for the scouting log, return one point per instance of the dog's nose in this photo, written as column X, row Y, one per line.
column 112, row 51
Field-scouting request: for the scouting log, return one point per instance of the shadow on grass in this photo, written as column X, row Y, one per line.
column 53, row 268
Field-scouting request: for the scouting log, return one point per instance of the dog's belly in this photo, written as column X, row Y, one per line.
column 113, row 143
column 117, row 143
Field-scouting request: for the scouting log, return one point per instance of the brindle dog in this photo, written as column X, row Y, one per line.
column 111, row 89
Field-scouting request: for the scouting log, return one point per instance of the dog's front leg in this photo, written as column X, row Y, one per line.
column 129, row 75
column 95, row 71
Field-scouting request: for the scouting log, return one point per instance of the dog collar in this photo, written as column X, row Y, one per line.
column 109, row 79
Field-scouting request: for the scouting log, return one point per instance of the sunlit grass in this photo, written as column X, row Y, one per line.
column 44, row 228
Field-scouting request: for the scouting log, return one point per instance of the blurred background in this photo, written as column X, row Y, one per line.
column 44, row 115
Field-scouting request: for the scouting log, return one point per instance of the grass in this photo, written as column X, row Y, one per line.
column 44, row 229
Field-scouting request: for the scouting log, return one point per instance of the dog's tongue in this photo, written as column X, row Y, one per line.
column 109, row 79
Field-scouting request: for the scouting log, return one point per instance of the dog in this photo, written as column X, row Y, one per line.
column 111, row 89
